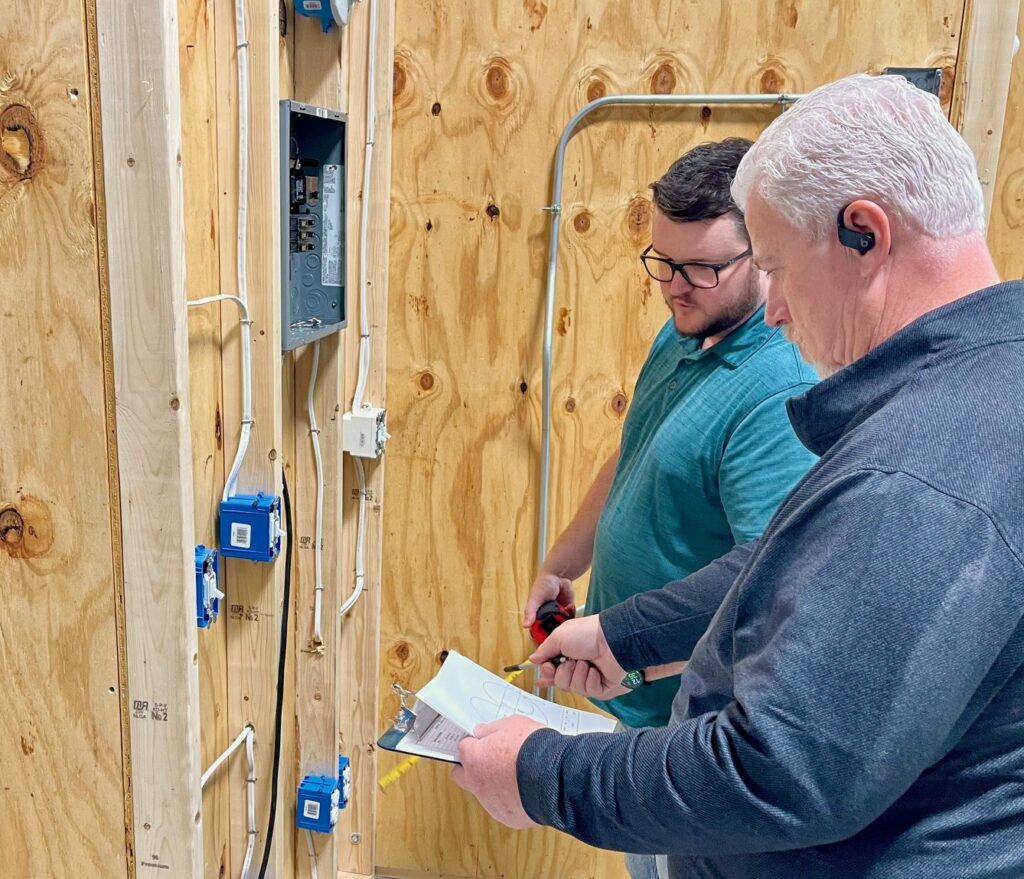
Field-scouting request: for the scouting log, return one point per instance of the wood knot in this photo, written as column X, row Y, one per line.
column 663, row 81
column 772, row 81
column 581, row 222
column 175, row 403
column 497, row 80
column 493, row 211
column 402, row 651
column 131, row 161
column 705, row 117
column 564, row 321
column 946, row 85
column 26, row 530
column 570, row 404
column 399, row 79
column 441, row 657
column 536, row 9
column 597, row 88
column 426, row 380
column 790, row 14
column 12, row 526
column 523, row 387
column 638, row 217
column 619, row 403
column 21, row 141
column 436, row 108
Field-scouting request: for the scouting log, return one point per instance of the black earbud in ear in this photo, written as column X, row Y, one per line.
column 862, row 242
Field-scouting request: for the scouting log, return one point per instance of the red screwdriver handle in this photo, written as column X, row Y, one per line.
column 550, row 615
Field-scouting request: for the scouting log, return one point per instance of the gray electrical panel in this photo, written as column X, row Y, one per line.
column 313, row 261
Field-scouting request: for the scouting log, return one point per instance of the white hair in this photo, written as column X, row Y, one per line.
column 872, row 137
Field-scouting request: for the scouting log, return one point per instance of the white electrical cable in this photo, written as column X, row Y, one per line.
column 250, row 803
column 314, row 432
column 312, row 854
column 247, row 737
column 234, row 746
column 246, row 329
column 364, row 291
column 364, row 225
column 242, row 46
column 349, row 602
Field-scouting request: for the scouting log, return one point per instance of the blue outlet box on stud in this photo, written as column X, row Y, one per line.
column 318, row 803
column 208, row 594
column 250, row 527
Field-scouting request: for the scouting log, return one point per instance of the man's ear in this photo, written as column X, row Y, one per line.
column 863, row 226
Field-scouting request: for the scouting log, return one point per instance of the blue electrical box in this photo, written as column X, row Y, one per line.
column 313, row 251
column 322, row 797
column 250, row 527
column 208, row 594
column 318, row 803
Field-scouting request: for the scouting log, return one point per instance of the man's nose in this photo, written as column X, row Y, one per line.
column 679, row 284
column 776, row 314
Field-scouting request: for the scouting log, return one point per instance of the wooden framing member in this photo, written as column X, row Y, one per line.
column 360, row 633
column 254, row 591
column 317, row 80
column 138, row 72
column 982, row 83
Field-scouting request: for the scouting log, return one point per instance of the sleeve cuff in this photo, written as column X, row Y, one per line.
column 537, row 775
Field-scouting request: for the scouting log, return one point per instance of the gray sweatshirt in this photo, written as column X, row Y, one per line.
column 856, row 705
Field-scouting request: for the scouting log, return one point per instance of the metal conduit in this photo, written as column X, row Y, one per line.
column 555, row 209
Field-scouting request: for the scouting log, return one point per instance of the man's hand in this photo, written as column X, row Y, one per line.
column 589, row 669
column 488, row 769
column 547, row 587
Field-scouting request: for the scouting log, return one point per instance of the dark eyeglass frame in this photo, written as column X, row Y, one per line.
column 681, row 267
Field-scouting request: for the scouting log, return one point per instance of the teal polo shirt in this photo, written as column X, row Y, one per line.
column 707, row 455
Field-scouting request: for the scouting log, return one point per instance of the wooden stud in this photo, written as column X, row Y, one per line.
column 983, row 81
column 317, row 81
column 360, row 631
column 254, row 591
column 139, row 80
column 196, row 57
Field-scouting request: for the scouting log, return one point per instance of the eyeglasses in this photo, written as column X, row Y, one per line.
column 696, row 274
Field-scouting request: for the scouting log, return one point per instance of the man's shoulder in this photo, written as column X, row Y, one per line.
column 776, row 368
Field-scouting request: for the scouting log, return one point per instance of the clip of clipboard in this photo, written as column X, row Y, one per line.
column 418, row 723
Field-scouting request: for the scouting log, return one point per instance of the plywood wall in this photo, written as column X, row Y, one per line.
column 1006, row 227
column 62, row 793
column 481, row 93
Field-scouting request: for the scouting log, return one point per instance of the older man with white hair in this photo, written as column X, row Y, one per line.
column 856, row 708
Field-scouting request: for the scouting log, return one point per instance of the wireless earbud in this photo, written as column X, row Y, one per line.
column 862, row 242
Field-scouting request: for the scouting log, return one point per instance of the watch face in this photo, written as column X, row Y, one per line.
column 633, row 680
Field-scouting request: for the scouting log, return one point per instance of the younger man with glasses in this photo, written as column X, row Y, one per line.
column 707, row 450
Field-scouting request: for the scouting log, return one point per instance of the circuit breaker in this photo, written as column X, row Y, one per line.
column 313, row 261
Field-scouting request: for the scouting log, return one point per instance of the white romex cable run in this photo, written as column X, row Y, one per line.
column 364, row 290
column 314, row 432
column 247, row 737
column 243, row 222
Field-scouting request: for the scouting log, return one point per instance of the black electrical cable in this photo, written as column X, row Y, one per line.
column 282, row 656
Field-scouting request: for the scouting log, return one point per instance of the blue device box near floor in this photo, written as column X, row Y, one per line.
column 250, row 527
column 321, row 797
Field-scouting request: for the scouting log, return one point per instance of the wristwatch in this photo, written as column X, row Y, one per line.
column 634, row 679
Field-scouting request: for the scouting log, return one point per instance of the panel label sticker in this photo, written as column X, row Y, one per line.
column 330, row 268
